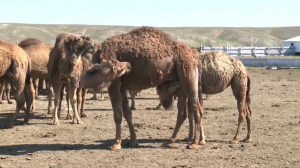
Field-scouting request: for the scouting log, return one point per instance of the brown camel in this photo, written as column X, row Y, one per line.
column 5, row 86
column 154, row 58
column 65, row 68
column 38, row 53
column 15, row 68
column 87, row 58
column 219, row 71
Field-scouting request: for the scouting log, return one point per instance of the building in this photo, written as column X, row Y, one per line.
column 293, row 44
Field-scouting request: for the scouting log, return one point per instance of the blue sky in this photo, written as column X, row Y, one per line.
column 159, row 13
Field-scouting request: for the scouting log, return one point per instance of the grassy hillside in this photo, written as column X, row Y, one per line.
column 193, row 36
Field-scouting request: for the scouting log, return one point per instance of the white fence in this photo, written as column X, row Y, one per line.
column 257, row 62
column 253, row 51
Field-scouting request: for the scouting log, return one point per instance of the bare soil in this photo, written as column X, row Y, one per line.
column 275, row 132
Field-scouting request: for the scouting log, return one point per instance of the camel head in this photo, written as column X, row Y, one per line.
column 166, row 93
column 75, row 46
column 101, row 75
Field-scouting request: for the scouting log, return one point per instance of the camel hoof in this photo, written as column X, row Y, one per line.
column 192, row 146
column 77, row 122
column 132, row 108
column 37, row 97
column 25, row 123
column 132, row 143
column 50, row 111
column 168, row 145
column 83, row 115
column 247, row 140
column 202, row 143
column 235, row 141
column 93, row 98
column 10, row 102
column 55, row 122
column 116, row 147
column 1, row 102
column 69, row 117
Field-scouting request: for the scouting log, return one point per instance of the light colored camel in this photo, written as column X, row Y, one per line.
column 15, row 68
column 65, row 67
column 154, row 58
column 219, row 71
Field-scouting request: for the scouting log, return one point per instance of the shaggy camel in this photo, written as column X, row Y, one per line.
column 65, row 67
column 5, row 86
column 154, row 58
column 219, row 71
column 15, row 68
column 38, row 53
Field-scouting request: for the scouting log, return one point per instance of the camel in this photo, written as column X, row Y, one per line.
column 15, row 68
column 65, row 68
column 154, row 58
column 38, row 53
column 219, row 71
column 4, row 86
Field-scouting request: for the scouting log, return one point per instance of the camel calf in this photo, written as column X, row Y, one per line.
column 219, row 71
column 65, row 68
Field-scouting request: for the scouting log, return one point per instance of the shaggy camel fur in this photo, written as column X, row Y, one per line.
column 15, row 68
column 5, row 86
column 154, row 58
column 38, row 53
column 219, row 71
column 65, row 67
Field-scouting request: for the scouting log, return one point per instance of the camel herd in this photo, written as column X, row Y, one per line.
column 140, row 59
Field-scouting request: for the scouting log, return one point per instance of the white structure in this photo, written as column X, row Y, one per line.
column 293, row 43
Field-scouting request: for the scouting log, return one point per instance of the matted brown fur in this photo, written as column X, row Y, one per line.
column 145, row 44
column 38, row 52
column 15, row 67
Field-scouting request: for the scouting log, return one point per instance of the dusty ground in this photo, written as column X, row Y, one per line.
column 276, row 132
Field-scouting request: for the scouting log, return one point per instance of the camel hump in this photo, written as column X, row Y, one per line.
column 29, row 41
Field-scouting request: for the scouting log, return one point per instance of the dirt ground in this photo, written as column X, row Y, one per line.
column 275, row 132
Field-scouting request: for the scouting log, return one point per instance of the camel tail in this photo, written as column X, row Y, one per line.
column 27, row 79
column 248, row 100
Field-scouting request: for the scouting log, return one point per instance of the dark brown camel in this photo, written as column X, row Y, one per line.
column 15, row 68
column 155, row 58
column 65, row 68
column 219, row 71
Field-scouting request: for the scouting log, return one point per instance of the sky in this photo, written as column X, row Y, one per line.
column 158, row 13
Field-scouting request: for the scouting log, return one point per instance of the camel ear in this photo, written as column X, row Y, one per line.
column 173, row 87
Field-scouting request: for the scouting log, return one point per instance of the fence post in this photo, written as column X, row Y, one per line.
column 268, row 51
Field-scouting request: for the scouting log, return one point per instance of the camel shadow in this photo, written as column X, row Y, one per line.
column 23, row 149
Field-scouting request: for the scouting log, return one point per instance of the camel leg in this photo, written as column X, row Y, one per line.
column 181, row 104
column 60, row 100
column 1, row 91
column 116, row 101
column 35, row 86
column 19, row 97
column 84, row 92
column 102, row 96
column 94, row 95
column 56, row 87
column 128, row 117
column 248, row 138
column 29, row 97
column 40, row 86
column 7, row 89
column 191, row 125
column 239, row 92
column 73, row 99
column 132, row 96
column 50, row 98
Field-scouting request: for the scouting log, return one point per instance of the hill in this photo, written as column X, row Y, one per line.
column 193, row 36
